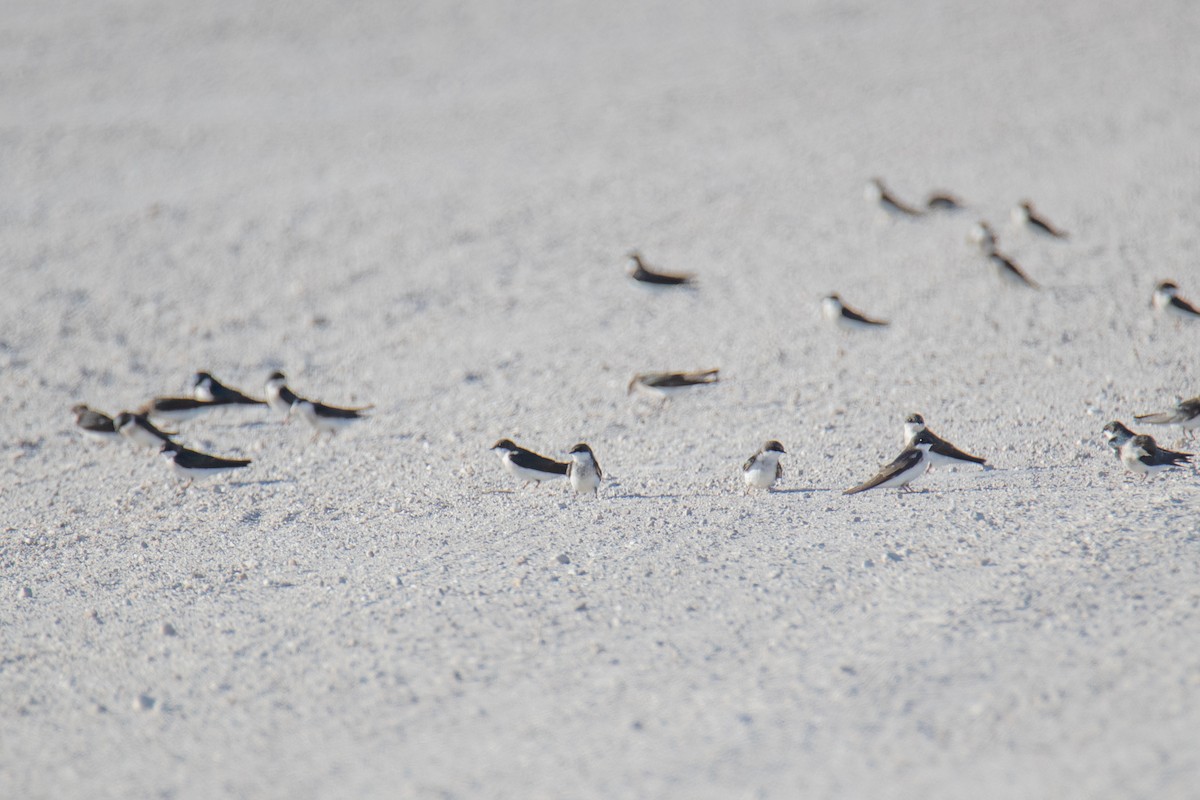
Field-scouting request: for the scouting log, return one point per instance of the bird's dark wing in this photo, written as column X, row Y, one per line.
column 334, row 412
column 190, row 459
column 850, row 313
column 95, row 421
column 668, row 380
column 531, row 460
column 226, row 394
column 1185, row 306
column 944, row 448
column 778, row 470
column 660, row 278
column 148, row 426
column 906, row 460
column 1005, row 263
column 1046, row 227
column 165, row 405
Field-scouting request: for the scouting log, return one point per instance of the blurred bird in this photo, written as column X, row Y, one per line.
column 665, row 384
column 912, row 463
column 638, row 270
column 1024, row 214
column 763, row 469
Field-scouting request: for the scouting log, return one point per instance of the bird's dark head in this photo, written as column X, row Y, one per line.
column 505, row 445
column 773, row 446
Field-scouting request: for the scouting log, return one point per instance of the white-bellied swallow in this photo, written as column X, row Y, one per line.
column 912, row 463
column 207, row 388
column 877, row 193
column 982, row 236
column 847, row 318
column 196, row 466
column 527, row 465
column 638, row 270
column 763, row 469
column 138, row 429
column 1117, row 435
column 279, row 397
column 1185, row 414
column 327, row 419
column 177, row 409
column 1008, row 269
column 1143, row 456
column 1167, row 301
column 944, row 201
column 1024, row 214
column 941, row 451
column 664, row 384
column 583, row 470
column 94, row 424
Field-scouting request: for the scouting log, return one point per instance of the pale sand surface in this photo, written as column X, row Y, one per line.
column 426, row 207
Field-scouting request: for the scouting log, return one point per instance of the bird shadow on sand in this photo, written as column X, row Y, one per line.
column 636, row 496
column 267, row 482
column 806, row 490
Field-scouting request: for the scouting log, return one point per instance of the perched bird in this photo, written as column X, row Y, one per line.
column 1167, row 301
column 943, row 201
column 327, row 419
column 1142, row 455
column 1009, row 270
column 911, row 464
column 207, row 388
column 94, row 424
column 941, row 451
column 527, row 465
column 763, row 469
column 1185, row 414
column 197, row 466
column 138, row 429
column 177, row 409
column 982, row 236
column 876, row 192
column 583, row 470
column 1023, row 214
column 845, row 317
column 638, row 270
column 664, row 384
column 279, row 397
column 1117, row 435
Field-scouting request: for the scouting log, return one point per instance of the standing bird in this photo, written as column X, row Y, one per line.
column 982, row 236
column 1142, row 455
column 941, row 452
column 527, row 465
column 1023, row 214
column 279, row 397
column 763, row 469
column 876, row 192
column 1185, row 414
column 665, row 384
column 207, row 388
column 1166, row 300
column 847, row 318
column 1009, row 270
column 638, row 270
column 583, row 470
column 912, row 463
column 94, row 424
column 1117, row 435
column 197, row 466
column 138, row 429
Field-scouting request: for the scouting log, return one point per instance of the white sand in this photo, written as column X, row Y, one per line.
column 426, row 206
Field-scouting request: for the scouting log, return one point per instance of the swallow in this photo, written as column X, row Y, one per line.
column 177, row 409
column 1117, row 435
column 94, row 424
column 197, row 466
column 941, row 451
column 327, row 419
column 1142, row 455
column 943, row 201
column 1166, row 300
column 982, row 236
column 911, row 464
column 638, row 270
column 847, row 318
column 665, row 384
column 876, row 192
column 1023, row 214
column 207, row 388
column 583, row 470
column 763, row 469
column 1009, row 270
column 138, row 429
column 528, row 465
column 279, row 397
column 1185, row 414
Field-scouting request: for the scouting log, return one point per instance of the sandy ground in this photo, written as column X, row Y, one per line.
column 426, row 207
